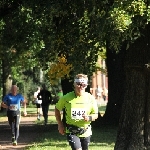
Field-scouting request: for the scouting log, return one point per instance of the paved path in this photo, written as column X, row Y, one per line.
column 29, row 132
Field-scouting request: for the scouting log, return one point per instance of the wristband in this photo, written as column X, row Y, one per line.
column 90, row 118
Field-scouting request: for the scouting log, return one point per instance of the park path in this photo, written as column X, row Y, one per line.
column 29, row 132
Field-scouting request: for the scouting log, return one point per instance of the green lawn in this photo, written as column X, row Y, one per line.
column 103, row 138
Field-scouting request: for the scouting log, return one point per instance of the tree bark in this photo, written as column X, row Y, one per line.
column 134, row 126
column 116, row 76
column 67, row 86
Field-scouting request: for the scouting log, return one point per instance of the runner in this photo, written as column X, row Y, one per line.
column 12, row 103
column 38, row 103
column 80, row 109
column 46, row 98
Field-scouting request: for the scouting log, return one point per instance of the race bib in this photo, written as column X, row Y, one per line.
column 13, row 107
column 77, row 113
column 39, row 101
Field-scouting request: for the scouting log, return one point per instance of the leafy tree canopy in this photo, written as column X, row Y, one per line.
column 37, row 32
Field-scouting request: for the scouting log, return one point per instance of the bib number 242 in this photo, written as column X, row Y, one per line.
column 77, row 113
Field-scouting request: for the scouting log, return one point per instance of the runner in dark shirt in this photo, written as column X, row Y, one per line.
column 46, row 98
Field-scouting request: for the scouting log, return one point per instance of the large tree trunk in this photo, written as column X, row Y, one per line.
column 116, row 76
column 134, row 126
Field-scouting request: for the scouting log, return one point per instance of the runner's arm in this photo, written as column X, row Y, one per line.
column 61, row 128
column 94, row 111
column 35, row 95
column 58, row 116
column 24, row 105
column 91, row 117
column 4, row 105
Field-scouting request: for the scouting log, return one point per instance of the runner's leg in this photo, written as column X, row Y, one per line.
column 11, row 123
column 85, row 142
column 44, row 112
column 45, row 109
column 38, row 111
column 74, row 142
column 17, row 126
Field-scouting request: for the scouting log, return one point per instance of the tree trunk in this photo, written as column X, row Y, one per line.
column 116, row 76
column 6, row 78
column 67, row 86
column 134, row 126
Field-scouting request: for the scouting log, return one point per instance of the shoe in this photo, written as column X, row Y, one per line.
column 15, row 143
column 13, row 139
column 38, row 118
column 45, row 122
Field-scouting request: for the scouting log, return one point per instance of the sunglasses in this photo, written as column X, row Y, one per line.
column 79, row 84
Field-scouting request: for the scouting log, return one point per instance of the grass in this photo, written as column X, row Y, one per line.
column 102, row 109
column 103, row 138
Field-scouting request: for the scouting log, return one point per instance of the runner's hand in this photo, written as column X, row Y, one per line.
column 25, row 113
column 61, row 128
column 85, row 117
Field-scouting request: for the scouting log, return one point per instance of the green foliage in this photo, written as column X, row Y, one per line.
column 36, row 33
column 126, row 18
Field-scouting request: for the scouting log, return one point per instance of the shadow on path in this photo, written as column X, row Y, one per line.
column 29, row 132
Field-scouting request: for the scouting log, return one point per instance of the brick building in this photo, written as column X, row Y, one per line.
column 99, row 79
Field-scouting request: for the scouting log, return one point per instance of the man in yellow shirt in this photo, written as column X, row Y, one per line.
column 80, row 110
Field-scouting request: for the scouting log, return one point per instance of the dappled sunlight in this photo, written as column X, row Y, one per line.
column 34, row 135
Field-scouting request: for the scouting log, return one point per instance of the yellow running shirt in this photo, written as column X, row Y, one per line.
column 75, row 107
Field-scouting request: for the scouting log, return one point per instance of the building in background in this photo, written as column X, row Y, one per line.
column 100, row 79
